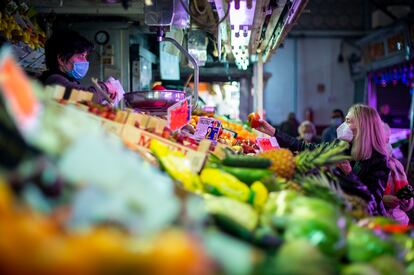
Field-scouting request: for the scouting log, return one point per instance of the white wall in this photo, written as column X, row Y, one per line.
column 317, row 63
column 279, row 90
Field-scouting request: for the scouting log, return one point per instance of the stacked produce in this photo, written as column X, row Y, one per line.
column 237, row 136
column 85, row 204
column 277, row 198
column 16, row 26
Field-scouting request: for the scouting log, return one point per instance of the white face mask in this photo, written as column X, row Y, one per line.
column 344, row 132
column 307, row 136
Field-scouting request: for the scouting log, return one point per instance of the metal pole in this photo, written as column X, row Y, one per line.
column 161, row 37
column 259, row 83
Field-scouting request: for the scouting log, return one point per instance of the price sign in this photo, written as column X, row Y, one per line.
column 267, row 144
column 179, row 114
column 207, row 128
column 209, row 109
column 18, row 93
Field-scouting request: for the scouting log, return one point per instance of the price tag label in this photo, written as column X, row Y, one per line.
column 18, row 93
column 179, row 114
column 267, row 144
column 207, row 128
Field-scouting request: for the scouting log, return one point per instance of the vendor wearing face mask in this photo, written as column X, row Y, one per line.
column 364, row 130
column 307, row 132
column 67, row 62
column 337, row 118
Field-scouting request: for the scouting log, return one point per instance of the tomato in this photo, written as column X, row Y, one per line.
column 94, row 110
column 111, row 116
column 158, row 88
column 254, row 120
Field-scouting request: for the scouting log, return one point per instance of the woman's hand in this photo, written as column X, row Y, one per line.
column 110, row 89
column 345, row 167
column 266, row 128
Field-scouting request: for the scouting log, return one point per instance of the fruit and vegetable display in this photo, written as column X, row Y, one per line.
column 16, row 26
column 75, row 200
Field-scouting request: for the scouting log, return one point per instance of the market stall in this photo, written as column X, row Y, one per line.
column 387, row 68
column 164, row 185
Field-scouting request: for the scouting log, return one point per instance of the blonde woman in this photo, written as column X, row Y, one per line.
column 363, row 129
column 307, row 132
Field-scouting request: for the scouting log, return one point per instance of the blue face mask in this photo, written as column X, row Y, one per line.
column 79, row 70
column 336, row 121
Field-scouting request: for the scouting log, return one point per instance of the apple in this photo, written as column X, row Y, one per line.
column 254, row 120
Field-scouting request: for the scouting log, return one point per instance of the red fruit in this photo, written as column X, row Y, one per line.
column 104, row 114
column 111, row 116
column 62, row 101
column 94, row 110
column 254, row 120
column 158, row 88
column 166, row 133
column 106, row 108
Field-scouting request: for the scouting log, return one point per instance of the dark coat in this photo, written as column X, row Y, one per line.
column 371, row 173
column 56, row 77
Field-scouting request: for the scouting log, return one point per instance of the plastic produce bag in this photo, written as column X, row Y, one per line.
column 118, row 186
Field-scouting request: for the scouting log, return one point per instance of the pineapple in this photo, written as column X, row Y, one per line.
column 322, row 186
column 283, row 162
column 276, row 184
column 324, row 154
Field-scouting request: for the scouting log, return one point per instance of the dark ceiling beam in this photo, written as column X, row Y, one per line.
column 383, row 8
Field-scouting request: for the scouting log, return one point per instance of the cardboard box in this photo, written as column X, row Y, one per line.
column 138, row 138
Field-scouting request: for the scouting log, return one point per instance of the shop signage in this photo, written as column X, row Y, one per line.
column 179, row 114
column 207, row 128
column 267, row 144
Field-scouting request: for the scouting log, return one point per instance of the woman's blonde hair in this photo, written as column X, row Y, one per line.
column 369, row 132
column 304, row 124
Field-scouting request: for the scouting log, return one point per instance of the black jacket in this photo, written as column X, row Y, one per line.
column 371, row 173
column 56, row 77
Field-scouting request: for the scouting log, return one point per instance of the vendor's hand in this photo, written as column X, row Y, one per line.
column 391, row 201
column 345, row 167
column 266, row 128
column 110, row 89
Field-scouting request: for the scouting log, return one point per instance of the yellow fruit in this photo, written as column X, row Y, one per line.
column 283, row 162
column 260, row 195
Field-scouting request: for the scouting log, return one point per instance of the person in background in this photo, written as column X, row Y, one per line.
column 307, row 132
column 337, row 118
column 66, row 54
column 290, row 126
column 385, row 113
column 364, row 130
column 397, row 208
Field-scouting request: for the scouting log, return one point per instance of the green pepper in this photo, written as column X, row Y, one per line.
column 247, row 175
column 363, row 245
